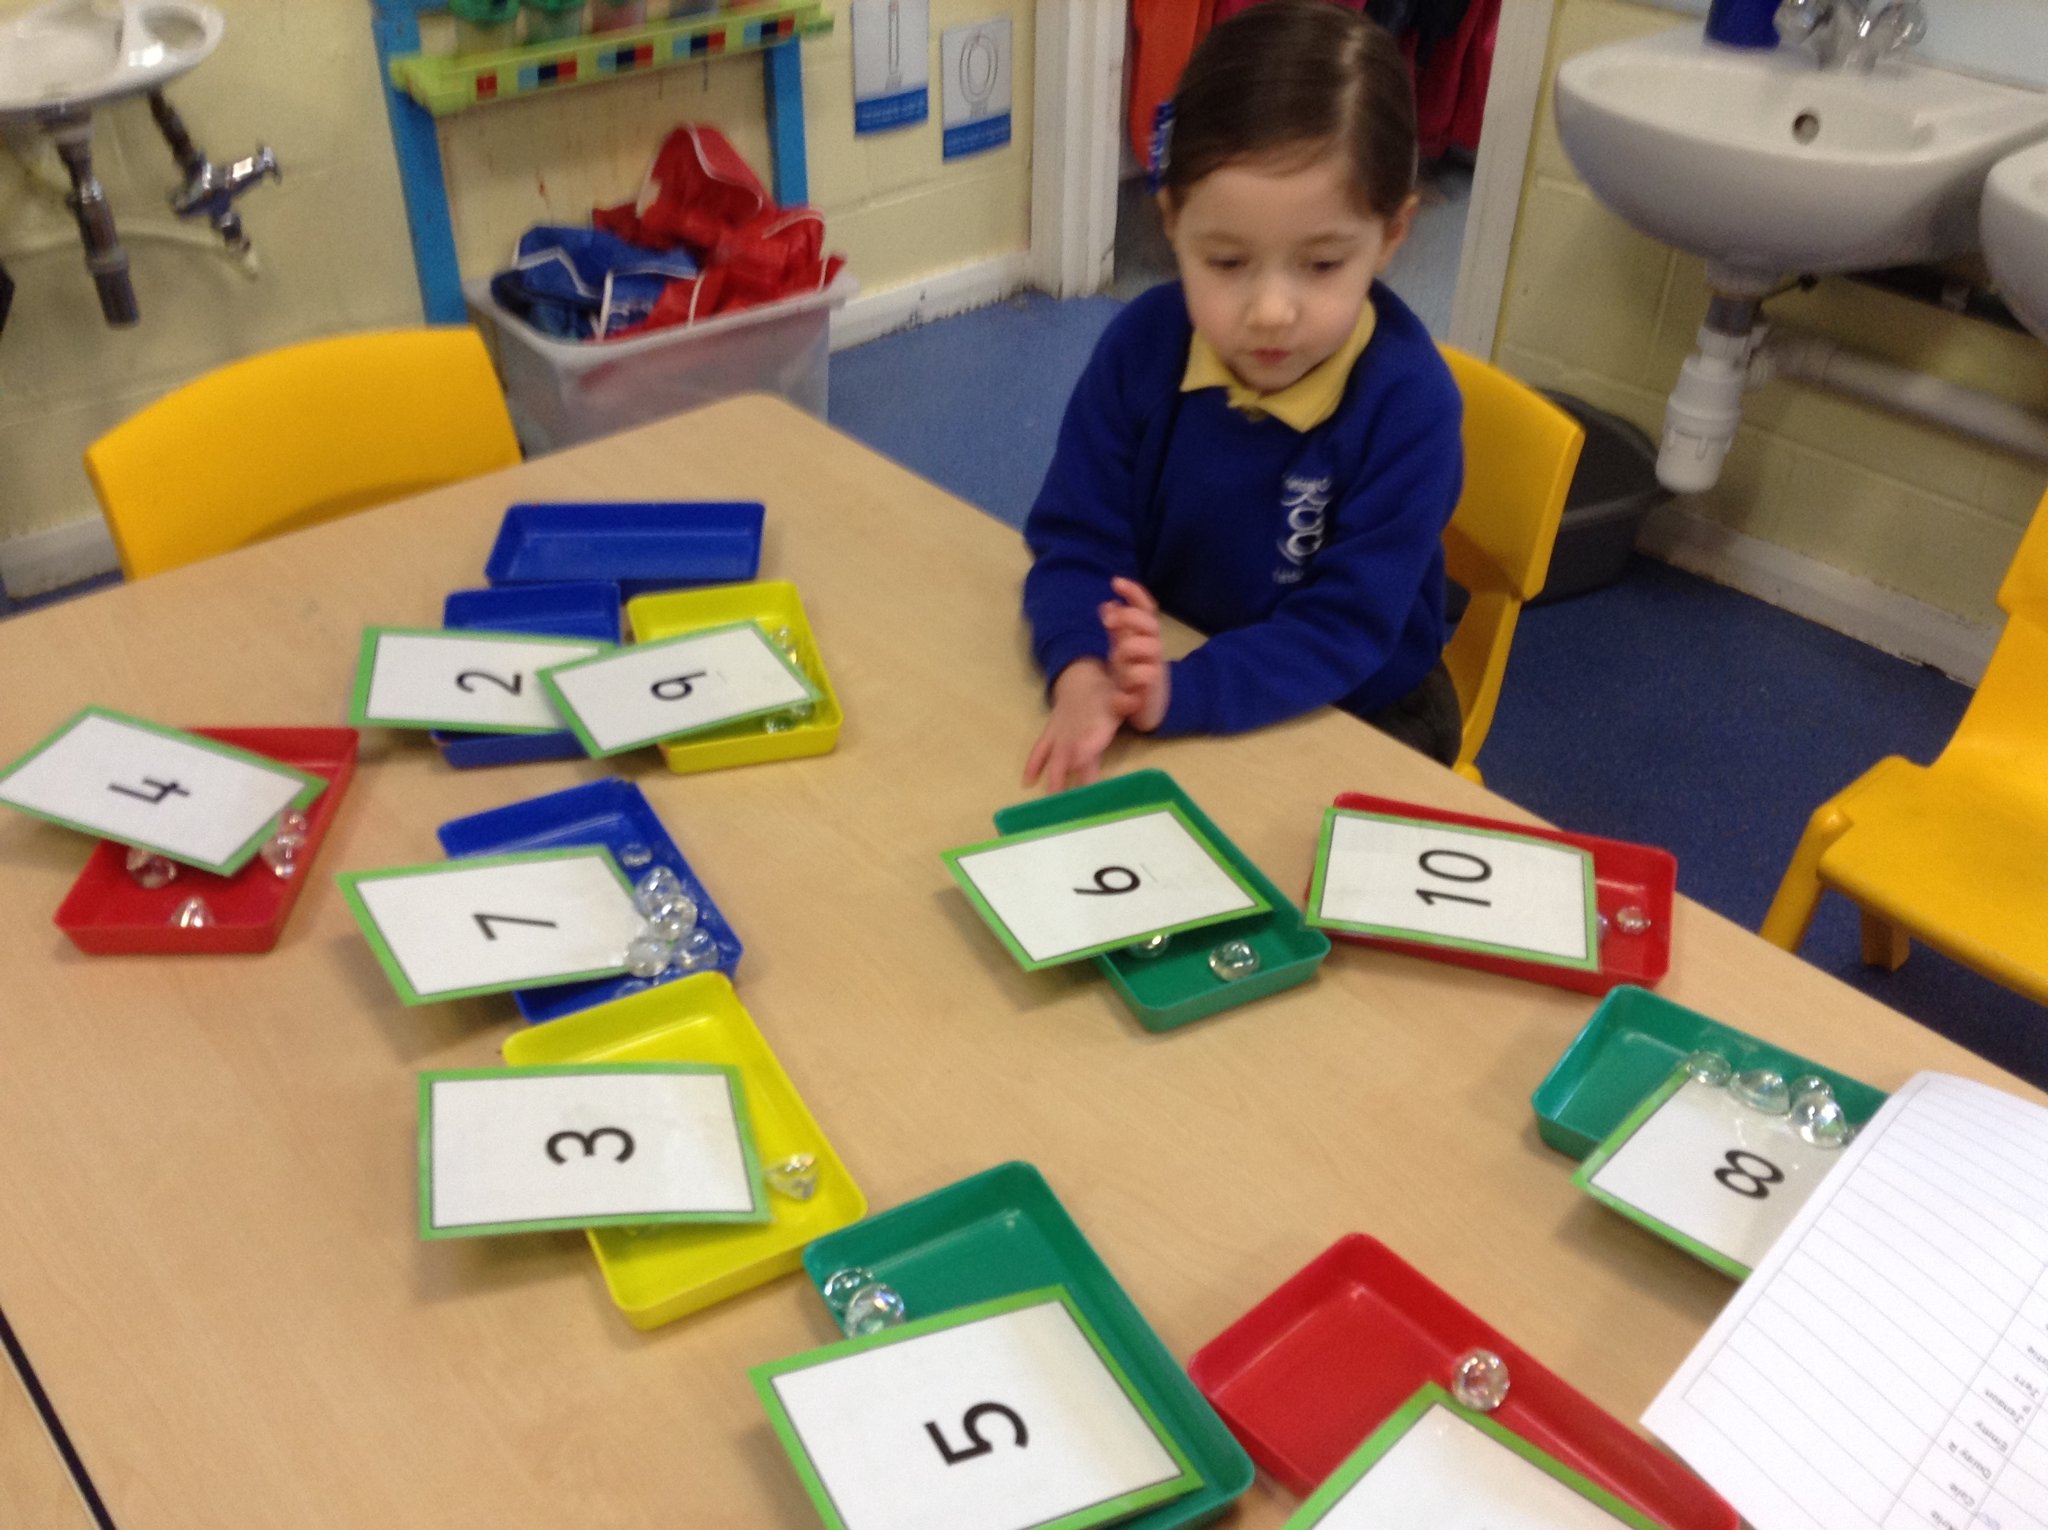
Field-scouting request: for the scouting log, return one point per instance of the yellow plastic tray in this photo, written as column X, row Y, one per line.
column 773, row 603
column 658, row 1274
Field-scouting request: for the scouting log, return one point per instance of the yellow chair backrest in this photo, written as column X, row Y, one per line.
column 1520, row 453
column 297, row 436
column 2006, row 726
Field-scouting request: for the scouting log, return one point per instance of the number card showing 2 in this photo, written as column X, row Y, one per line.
column 470, row 682
column 595, row 1145
column 1439, row 884
column 681, row 685
column 204, row 803
column 1009, row 1415
column 1061, row 893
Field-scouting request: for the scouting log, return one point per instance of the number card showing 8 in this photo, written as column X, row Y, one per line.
column 1005, row 1416
column 1065, row 892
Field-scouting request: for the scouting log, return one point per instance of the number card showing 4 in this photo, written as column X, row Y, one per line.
column 1440, row 884
column 460, row 681
column 1695, row 1165
column 1009, row 1415
column 1061, row 893
column 495, row 922
column 655, row 691
column 595, row 1145
column 207, row 804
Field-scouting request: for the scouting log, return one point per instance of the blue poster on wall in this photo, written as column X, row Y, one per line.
column 891, row 64
column 974, row 67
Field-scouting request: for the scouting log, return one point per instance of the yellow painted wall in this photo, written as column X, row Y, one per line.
column 1599, row 311
column 302, row 75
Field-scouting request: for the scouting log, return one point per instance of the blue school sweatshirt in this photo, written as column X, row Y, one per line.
column 1313, row 560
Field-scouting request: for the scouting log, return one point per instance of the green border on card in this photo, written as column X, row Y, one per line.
column 812, row 694
column 1591, row 962
column 386, row 958
column 1410, row 1413
column 734, row 1083
column 1618, row 1139
column 1260, row 904
column 311, row 786
column 366, row 665
column 1107, row 1512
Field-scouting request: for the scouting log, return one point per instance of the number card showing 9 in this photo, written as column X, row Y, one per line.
column 1010, row 1415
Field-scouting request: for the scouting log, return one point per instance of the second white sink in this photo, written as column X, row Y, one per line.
column 1765, row 165
column 69, row 56
column 2016, row 234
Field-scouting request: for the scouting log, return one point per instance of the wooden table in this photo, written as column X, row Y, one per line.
column 207, row 1238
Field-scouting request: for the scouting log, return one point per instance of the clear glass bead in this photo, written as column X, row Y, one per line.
column 795, row 1176
column 672, row 918
column 1709, row 1068
column 1631, row 921
column 282, row 853
column 649, row 955
column 193, row 914
column 151, row 870
column 697, row 951
column 1821, row 1122
column 655, row 886
column 872, row 1309
column 1762, row 1089
column 785, row 639
column 1234, row 959
column 633, row 857
column 1150, row 948
column 1811, row 1086
column 1480, row 1380
column 292, row 821
column 840, row 1285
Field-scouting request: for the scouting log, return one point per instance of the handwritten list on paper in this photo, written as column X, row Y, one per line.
column 1886, row 1367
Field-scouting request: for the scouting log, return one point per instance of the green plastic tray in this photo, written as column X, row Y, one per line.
column 1632, row 1044
column 1004, row 1231
column 1173, row 989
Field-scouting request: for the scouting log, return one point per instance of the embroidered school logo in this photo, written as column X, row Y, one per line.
column 1307, row 503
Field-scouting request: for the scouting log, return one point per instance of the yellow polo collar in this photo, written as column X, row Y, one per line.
column 1303, row 405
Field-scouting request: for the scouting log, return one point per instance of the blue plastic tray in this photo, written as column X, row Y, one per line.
column 612, row 813
column 585, row 609
column 652, row 546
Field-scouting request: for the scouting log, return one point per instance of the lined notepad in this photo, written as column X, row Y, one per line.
column 1886, row 1366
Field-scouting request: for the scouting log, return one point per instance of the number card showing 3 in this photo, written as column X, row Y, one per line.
column 1003, row 1416
column 460, row 681
column 1440, row 884
column 1059, row 894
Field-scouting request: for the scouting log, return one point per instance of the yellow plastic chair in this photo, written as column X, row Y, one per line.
column 1955, row 852
column 297, row 436
column 1520, row 452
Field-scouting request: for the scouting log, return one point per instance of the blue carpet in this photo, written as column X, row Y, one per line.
column 1664, row 709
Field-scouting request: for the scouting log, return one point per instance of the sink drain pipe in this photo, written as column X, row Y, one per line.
column 1737, row 351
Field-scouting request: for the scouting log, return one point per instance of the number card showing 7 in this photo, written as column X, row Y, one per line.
column 1074, row 889
column 1468, row 889
column 1009, row 1415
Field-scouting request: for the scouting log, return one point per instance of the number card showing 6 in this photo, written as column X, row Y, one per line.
column 1061, row 893
column 1009, row 1415
column 1447, row 885
column 1697, row 1166
column 474, row 682
column 680, row 685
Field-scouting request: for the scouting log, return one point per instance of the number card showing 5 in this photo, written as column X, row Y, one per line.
column 1697, row 1166
column 655, row 691
column 465, row 682
column 1468, row 889
column 1061, row 893
column 1010, row 1415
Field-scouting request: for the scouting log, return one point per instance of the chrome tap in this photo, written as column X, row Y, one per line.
column 1852, row 34
column 209, row 190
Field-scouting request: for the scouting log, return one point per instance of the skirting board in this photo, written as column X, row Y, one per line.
column 875, row 314
column 40, row 561
column 1885, row 619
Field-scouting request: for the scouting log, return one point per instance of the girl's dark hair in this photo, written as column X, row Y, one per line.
column 1297, row 78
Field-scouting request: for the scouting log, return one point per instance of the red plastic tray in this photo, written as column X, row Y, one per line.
column 1625, row 875
column 1307, row 1374
column 108, row 913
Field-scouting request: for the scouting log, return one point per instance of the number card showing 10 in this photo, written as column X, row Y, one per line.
column 1010, row 1415
column 1439, row 884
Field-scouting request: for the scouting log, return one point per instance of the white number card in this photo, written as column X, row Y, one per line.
column 493, row 922
column 1061, row 893
column 476, row 682
column 1697, row 1166
column 204, row 803
column 1009, row 1415
column 654, row 691
column 1440, row 1466
column 1443, row 884
column 594, row 1145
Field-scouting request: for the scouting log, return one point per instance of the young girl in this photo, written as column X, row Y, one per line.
column 1268, row 448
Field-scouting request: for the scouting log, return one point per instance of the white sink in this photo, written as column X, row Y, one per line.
column 69, row 56
column 2015, row 231
column 1766, row 165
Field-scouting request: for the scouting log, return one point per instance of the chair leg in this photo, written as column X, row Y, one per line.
column 1885, row 944
column 1791, row 911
